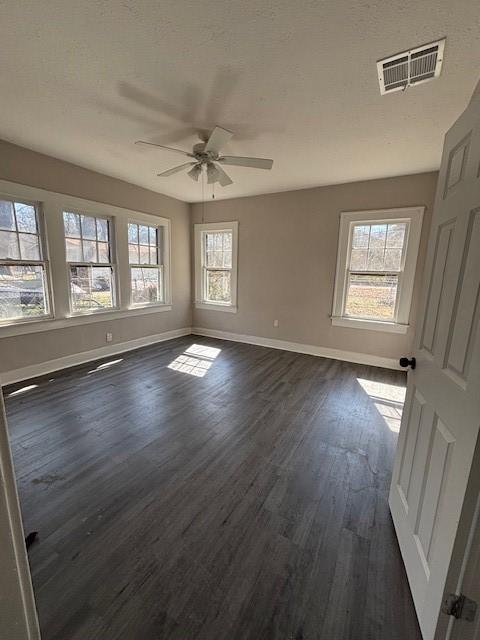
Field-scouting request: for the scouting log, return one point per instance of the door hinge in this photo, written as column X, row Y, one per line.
column 460, row 607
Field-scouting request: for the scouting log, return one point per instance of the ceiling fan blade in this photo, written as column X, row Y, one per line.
column 170, row 172
column 162, row 146
column 218, row 138
column 254, row 163
column 223, row 178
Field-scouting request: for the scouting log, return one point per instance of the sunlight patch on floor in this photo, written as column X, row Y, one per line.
column 388, row 399
column 203, row 351
column 196, row 360
column 22, row 390
column 105, row 365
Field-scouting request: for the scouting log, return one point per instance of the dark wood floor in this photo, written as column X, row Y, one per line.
column 250, row 503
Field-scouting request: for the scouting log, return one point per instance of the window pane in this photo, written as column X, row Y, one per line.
column 89, row 228
column 26, row 218
column 144, row 254
column 209, row 241
column 133, row 257
column 218, row 286
column 396, row 235
column 74, row 250
column 71, row 222
column 378, row 235
column 218, row 249
column 9, row 245
column 102, row 229
column 103, row 253
column 153, row 255
column 22, row 292
column 7, row 220
column 375, row 260
column 227, row 240
column 358, row 260
column 143, row 234
column 371, row 297
column 91, row 288
column 29, row 246
column 132, row 232
column 360, row 236
column 227, row 258
column 393, row 259
column 218, row 241
column 153, row 236
column 214, row 259
column 89, row 251
column 146, row 285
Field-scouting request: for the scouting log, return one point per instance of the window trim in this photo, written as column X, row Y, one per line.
column 112, row 245
column 160, row 266
column 164, row 224
column 200, row 300
column 51, row 205
column 414, row 217
column 43, row 262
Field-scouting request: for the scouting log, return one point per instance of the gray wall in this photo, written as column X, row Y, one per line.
column 33, row 169
column 287, row 259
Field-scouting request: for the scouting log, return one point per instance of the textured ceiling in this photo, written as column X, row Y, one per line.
column 295, row 80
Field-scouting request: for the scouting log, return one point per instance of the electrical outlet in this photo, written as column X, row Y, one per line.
column 275, row 323
column 109, row 336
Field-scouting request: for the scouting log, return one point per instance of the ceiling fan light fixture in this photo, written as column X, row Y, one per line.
column 195, row 172
column 212, row 173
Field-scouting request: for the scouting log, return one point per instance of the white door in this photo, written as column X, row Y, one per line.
column 441, row 419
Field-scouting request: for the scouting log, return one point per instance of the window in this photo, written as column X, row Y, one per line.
column 88, row 251
column 376, row 267
column 23, row 269
column 146, row 264
column 216, row 265
column 84, row 275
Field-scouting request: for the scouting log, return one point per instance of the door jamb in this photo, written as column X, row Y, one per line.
column 17, row 579
column 468, row 523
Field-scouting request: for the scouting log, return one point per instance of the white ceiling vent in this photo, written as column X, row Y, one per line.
column 403, row 70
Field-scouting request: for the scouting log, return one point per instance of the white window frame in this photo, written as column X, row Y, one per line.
column 160, row 265
column 43, row 262
column 50, row 211
column 200, row 299
column 112, row 264
column 413, row 216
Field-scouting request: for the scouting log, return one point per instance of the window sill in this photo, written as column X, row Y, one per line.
column 48, row 324
column 372, row 325
column 92, row 312
column 152, row 306
column 21, row 323
column 211, row 306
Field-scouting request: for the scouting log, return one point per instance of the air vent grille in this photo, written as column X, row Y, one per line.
column 412, row 67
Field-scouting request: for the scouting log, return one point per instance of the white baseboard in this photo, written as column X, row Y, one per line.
column 43, row 368
column 310, row 349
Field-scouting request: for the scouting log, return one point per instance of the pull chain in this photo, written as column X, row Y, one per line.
column 203, row 196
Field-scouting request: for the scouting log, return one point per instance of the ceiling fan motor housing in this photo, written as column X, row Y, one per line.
column 201, row 155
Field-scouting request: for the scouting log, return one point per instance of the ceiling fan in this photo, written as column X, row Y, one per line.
column 207, row 154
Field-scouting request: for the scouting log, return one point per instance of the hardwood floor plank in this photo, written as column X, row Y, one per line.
column 200, row 489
